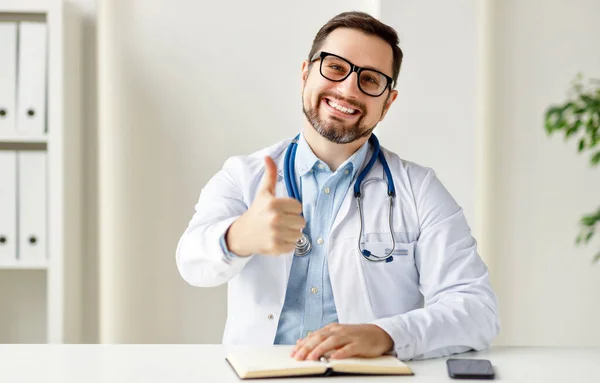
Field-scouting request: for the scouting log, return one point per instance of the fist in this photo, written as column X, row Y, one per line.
column 271, row 226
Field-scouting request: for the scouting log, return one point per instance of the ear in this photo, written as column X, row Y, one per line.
column 388, row 103
column 305, row 67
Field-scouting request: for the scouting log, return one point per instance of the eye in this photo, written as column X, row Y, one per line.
column 336, row 67
column 370, row 79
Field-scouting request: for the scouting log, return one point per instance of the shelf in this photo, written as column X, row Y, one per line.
column 25, row 6
column 23, row 265
column 24, row 140
column 47, row 307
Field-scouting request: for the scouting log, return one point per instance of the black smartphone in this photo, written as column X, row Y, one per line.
column 470, row 369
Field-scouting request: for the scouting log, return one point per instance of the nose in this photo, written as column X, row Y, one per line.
column 349, row 87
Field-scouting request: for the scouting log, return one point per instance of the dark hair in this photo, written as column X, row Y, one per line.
column 367, row 24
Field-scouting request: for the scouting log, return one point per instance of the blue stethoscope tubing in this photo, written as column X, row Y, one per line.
column 303, row 245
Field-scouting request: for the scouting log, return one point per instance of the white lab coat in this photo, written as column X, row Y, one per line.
column 435, row 301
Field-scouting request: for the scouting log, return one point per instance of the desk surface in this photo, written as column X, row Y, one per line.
column 205, row 363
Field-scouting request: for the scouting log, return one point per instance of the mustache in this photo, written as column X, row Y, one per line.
column 335, row 97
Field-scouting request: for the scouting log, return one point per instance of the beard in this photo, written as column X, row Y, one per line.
column 336, row 129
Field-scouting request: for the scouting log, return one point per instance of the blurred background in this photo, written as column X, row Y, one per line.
column 159, row 93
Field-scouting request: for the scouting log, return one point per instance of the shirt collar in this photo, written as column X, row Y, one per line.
column 306, row 160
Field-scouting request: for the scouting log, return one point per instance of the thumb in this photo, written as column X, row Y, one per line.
column 270, row 177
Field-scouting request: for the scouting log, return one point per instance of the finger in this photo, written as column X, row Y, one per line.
column 296, row 347
column 270, row 178
column 348, row 351
column 288, row 205
column 334, row 326
column 289, row 237
column 290, row 222
column 309, row 343
column 332, row 343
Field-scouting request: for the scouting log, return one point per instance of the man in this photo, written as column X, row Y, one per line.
column 409, row 282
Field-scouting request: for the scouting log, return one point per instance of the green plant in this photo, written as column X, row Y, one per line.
column 579, row 117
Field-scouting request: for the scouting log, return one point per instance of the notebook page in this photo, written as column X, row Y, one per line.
column 275, row 361
column 386, row 364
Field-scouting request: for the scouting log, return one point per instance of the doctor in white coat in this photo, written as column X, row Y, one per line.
column 426, row 295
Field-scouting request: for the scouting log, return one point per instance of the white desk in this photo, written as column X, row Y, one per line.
column 205, row 363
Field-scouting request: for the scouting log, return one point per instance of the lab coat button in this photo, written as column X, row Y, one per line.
column 270, row 317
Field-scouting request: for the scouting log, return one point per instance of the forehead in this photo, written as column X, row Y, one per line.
column 361, row 49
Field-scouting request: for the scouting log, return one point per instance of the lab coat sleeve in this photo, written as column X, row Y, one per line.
column 201, row 259
column 460, row 308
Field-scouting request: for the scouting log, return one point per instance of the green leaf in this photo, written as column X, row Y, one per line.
column 581, row 145
column 596, row 158
column 589, row 236
column 578, row 240
column 589, row 220
column 596, row 257
column 572, row 130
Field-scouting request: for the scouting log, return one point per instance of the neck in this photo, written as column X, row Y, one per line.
column 329, row 152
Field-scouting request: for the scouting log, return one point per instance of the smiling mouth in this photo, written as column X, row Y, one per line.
column 341, row 109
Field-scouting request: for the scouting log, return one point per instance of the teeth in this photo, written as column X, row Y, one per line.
column 340, row 108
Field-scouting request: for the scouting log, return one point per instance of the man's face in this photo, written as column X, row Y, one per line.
column 322, row 99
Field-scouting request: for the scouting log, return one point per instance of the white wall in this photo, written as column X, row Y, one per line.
column 548, row 290
column 433, row 121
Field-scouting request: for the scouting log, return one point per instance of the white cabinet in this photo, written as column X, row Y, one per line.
column 31, row 79
column 8, row 77
column 8, row 206
column 40, row 186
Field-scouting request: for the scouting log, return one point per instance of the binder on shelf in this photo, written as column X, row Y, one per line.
column 31, row 79
column 8, row 206
column 8, row 78
column 32, row 209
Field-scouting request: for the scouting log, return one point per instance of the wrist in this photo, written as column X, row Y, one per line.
column 234, row 241
column 386, row 340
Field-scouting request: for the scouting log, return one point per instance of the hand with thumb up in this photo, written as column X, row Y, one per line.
column 271, row 225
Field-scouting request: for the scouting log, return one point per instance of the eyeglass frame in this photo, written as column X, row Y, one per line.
column 353, row 68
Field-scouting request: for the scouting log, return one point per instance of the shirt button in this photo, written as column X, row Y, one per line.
column 320, row 241
column 314, row 290
column 308, row 333
column 270, row 317
column 346, row 172
column 327, row 190
column 321, row 166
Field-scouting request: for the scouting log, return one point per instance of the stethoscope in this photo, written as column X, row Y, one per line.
column 304, row 244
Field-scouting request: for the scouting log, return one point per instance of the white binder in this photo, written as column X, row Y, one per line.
column 8, row 78
column 31, row 79
column 8, row 206
column 32, row 213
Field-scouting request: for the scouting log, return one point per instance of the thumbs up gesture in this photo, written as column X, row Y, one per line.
column 271, row 225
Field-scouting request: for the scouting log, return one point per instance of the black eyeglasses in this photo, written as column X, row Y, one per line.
column 335, row 68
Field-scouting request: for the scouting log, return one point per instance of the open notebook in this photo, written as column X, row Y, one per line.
column 276, row 362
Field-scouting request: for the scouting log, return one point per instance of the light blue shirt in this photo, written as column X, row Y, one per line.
column 309, row 303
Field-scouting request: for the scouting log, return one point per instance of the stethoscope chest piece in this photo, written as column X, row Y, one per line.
column 303, row 246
